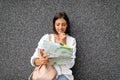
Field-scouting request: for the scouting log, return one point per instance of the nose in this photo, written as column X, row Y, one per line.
column 61, row 26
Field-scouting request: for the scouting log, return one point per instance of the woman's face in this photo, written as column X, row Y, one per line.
column 60, row 25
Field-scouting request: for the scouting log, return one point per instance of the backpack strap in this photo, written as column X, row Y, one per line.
column 50, row 37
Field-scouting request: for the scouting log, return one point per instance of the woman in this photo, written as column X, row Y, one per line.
column 61, row 27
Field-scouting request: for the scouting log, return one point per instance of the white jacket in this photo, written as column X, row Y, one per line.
column 63, row 66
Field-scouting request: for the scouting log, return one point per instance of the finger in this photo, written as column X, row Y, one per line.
column 46, row 55
column 62, row 34
column 41, row 52
column 45, row 52
column 45, row 62
column 44, row 59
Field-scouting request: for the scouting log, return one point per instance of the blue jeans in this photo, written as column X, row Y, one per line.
column 62, row 77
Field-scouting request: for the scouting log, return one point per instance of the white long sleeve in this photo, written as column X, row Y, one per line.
column 35, row 55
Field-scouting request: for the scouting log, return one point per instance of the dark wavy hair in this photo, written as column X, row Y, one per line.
column 64, row 16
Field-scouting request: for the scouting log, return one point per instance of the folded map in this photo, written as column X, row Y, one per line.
column 57, row 50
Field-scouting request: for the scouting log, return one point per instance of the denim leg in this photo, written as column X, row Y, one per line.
column 62, row 77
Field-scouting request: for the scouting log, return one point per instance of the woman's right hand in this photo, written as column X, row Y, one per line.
column 41, row 61
column 44, row 59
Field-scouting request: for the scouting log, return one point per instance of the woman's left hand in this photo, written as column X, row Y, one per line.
column 62, row 36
